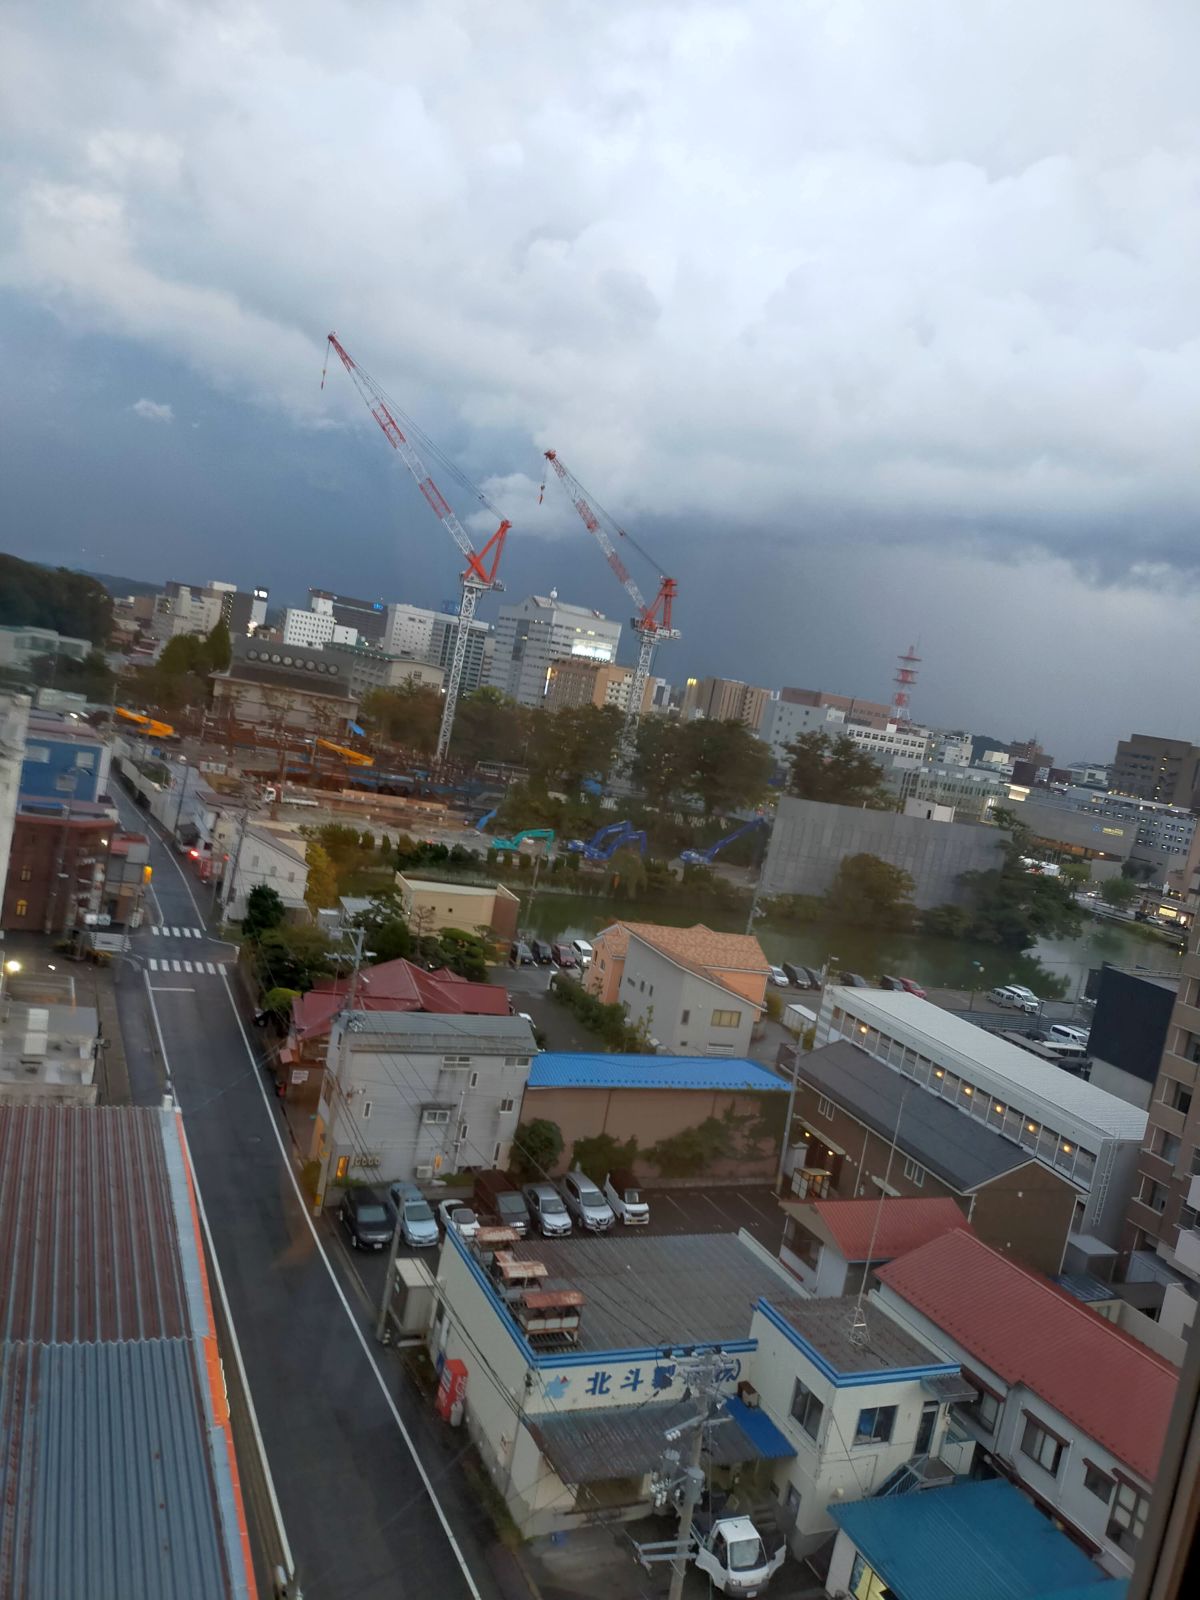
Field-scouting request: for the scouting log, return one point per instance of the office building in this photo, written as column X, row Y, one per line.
column 278, row 687
column 1165, row 770
column 64, row 758
column 1129, row 1030
column 950, row 749
column 21, row 647
column 313, row 629
column 370, row 668
column 476, row 661
column 188, row 608
column 1091, row 822
column 969, row 792
column 577, row 682
column 56, row 865
column 532, row 635
column 1088, row 774
column 368, row 618
column 901, row 740
column 784, row 721
column 725, row 700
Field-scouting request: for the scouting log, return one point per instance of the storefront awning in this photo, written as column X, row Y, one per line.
column 626, row 1441
column 953, row 1390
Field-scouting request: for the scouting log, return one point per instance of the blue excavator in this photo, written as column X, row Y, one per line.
column 604, row 844
column 704, row 858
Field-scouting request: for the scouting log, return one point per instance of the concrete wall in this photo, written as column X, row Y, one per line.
column 1104, row 1075
column 647, row 1115
column 810, row 839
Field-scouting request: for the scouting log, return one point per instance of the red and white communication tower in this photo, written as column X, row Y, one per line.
column 905, row 678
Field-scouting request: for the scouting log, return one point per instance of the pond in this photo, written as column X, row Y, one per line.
column 944, row 963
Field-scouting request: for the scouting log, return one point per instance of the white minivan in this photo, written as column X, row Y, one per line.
column 583, row 952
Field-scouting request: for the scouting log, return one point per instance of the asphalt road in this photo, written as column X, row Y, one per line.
column 364, row 1517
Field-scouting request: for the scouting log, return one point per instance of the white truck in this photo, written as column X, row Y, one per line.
column 729, row 1550
column 626, row 1201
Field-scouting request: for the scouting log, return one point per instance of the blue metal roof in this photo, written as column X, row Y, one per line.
column 768, row 1440
column 568, row 1069
column 985, row 1540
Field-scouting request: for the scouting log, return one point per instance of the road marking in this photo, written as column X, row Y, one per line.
column 175, row 965
column 152, row 964
column 172, row 988
column 341, row 1294
column 189, row 933
column 187, row 966
column 154, row 928
column 215, row 970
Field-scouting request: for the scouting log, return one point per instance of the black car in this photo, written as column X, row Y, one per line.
column 853, row 980
column 520, row 955
column 800, row 977
column 887, row 982
column 367, row 1219
column 542, row 953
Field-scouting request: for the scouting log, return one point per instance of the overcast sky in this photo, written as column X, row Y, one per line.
column 876, row 323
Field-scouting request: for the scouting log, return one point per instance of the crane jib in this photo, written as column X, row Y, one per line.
column 435, row 497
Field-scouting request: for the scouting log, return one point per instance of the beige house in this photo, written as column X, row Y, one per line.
column 429, row 906
column 698, row 992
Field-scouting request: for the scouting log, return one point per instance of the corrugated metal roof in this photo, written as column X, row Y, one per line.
column 1112, row 1388
column 596, row 1444
column 104, row 1487
column 962, row 1152
column 571, row 1070
column 982, row 1540
column 117, row 1478
column 1005, row 1069
column 88, row 1243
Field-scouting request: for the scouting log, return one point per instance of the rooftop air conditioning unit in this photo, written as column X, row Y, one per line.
column 424, row 1173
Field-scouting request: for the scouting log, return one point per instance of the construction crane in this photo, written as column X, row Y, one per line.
column 479, row 575
column 652, row 622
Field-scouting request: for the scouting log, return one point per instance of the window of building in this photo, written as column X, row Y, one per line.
column 1195, row 1167
column 507, row 1105
column 22, row 908
column 462, row 1130
column 1041, row 1446
column 984, row 1412
column 825, row 1108
column 1127, row 1520
column 474, row 1080
column 1187, row 1217
column 436, row 1116
column 1153, row 1195
column 340, row 1171
column 726, row 1019
column 914, row 1173
column 875, row 1424
column 1166, row 1145
column 455, row 1063
column 368, row 1107
column 684, row 1018
column 1177, row 1095
column 26, row 874
column 1097, row 1482
column 807, row 1410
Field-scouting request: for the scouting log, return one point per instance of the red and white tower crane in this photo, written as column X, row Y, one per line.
column 905, row 680
column 652, row 623
column 479, row 575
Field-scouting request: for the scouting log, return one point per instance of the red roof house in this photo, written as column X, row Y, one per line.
column 393, row 986
column 830, row 1244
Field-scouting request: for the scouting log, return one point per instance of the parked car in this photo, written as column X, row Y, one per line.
column 626, row 1200
column 1068, row 1032
column 888, row 982
column 1001, row 995
column 583, row 952
column 853, row 980
column 461, row 1218
column 366, row 1219
column 563, row 956
column 585, row 1202
column 902, row 986
column 519, row 954
column 911, row 986
column 1023, row 999
column 800, row 977
column 543, row 955
column 418, row 1225
column 546, row 1209
column 779, row 977
column 496, row 1195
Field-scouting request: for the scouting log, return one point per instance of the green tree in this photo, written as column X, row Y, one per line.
column 659, row 768
column 264, row 909
column 871, row 892
column 218, row 647
column 1076, row 873
column 579, row 742
column 321, row 888
column 490, row 726
column 74, row 605
column 389, row 935
column 278, row 1002
column 536, row 1147
column 1119, row 891
column 409, row 714
column 601, row 1154
column 726, row 768
column 946, row 922
column 835, row 770
column 294, row 957
column 464, row 953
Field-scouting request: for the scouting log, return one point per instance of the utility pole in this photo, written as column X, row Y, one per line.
column 182, row 793
column 693, row 1487
column 787, row 1126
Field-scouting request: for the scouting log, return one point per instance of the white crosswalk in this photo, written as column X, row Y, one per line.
column 164, row 930
column 162, row 964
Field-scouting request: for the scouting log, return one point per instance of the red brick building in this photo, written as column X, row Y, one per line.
column 56, row 869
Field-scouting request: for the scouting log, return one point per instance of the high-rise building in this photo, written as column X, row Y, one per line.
column 532, row 635
column 429, row 636
column 1149, row 768
column 186, row 608
column 312, row 629
column 367, row 617
column 578, row 682
column 725, row 700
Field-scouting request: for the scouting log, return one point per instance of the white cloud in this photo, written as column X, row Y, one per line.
column 746, row 261
column 153, row 411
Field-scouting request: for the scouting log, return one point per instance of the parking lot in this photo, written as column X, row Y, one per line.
column 672, row 1211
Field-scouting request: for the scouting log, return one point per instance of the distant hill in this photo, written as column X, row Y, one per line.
column 119, row 587
column 74, row 604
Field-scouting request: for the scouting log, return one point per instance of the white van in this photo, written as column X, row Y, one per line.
column 1068, row 1032
column 583, row 952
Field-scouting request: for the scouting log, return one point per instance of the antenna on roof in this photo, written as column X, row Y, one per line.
column 860, row 1332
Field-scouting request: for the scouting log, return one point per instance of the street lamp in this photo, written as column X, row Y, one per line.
column 5, row 968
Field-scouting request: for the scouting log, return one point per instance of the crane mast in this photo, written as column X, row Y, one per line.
column 652, row 621
column 479, row 574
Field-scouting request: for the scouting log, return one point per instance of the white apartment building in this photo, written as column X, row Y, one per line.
column 429, row 636
column 409, row 631
column 540, row 630
column 783, row 721
column 1067, row 1406
column 313, row 629
column 14, row 720
column 264, row 854
column 1089, row 1135
column 900, row 739
column 950, row 749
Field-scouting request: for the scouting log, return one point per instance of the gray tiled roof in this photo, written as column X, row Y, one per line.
column 960, row 1151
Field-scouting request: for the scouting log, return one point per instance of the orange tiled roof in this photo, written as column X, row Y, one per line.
column 699, row 949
